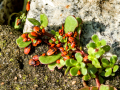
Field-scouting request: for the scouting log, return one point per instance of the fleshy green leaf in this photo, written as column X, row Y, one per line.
column 22, row 44
column 78, row 29
column 60, row 37
column 57, row 33
column 34, row 21
column 53, row 32
column 86, row 77
column 15, row 25
column 66, row 71
column 99, row 53
column 91, row 51
column 74, row 70
column 101, row 80
column 49, row 59
column 107, row 87
column 84, row 71
column 62, row 62
column 73, row 62
column 92, row 75
column 98, row 44
column 78, row 64
column 70, row 24
column 92, row 70
column 102, row 73
column 89, row 65
column 96, row 63
column 56, row 42
column 113, row 74
column 30, row 36
column 103, row 42
column 50, row 41
column 82, row 64
column 106, row 48
column 34, row 41
column 79, row 57
column 108, row 72
column 95, row 38
column 115, row 68
column 92, row 45
column 111, row 65
column 105, row 62
column 68, row 63
column 79, row 20
column 104, row 87
column 53, row 65
column 43, row 20
column 113, row 59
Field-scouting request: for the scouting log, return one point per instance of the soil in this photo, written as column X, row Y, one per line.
column 16, row 74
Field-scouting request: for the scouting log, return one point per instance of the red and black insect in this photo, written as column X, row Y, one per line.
column 27, row 49
column 19, row 21
column 39, row 41
column 51, row 51
column 37, row 30
column 34, row 34
column 31, row 62
column 72, row 45
column 37, row 63
column 28, row 6
column 61, row 49
column 75, row 34
column 58, row 61
column 78, row 72
column 71, row 39
column 25, row 39
column 69, row 34
column 64, row 53
column 43, row 54
column 24, row 35
column 53, row 39
column 66, row 57
column 35, row 58
column 58, row 45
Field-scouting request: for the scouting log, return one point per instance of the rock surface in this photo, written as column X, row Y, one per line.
column 99, row 17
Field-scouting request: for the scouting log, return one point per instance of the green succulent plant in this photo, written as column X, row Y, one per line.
column 43, row 21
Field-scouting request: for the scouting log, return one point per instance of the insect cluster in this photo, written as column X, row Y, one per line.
column 65, row 50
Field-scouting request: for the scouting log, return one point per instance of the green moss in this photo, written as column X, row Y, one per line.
column 17, row 88
column 46, row 77
column 57, row 81
column 24, row 77
column 11, row 60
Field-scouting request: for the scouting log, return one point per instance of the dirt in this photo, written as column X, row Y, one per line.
column 16, row 74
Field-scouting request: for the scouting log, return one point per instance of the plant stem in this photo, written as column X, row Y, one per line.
column 48, row 34
column 97, row 81
column 84, row 84
column 81, row 52
column 24, row 6
column 68, row 68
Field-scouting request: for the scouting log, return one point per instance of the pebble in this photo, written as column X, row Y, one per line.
column 73, row 82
